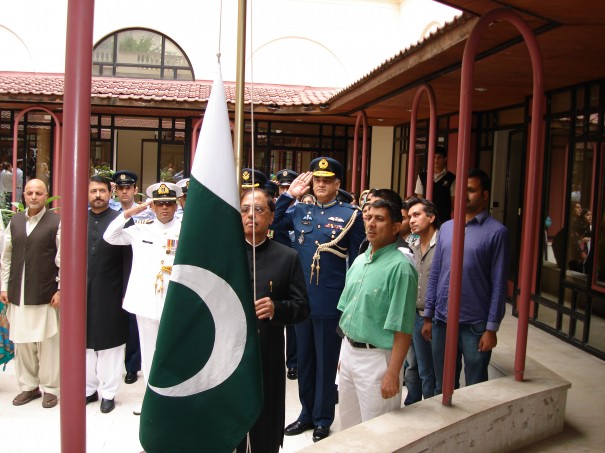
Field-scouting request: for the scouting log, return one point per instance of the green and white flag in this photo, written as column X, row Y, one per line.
column 205, row 385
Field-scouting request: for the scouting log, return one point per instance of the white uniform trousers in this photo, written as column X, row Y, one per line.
column 37, row 365
column 148, row 335
column 360, row 378
column 104, row 371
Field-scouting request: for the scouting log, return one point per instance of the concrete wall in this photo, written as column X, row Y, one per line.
column 494, row 416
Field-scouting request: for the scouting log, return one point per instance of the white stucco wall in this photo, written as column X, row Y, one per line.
column 322, row 43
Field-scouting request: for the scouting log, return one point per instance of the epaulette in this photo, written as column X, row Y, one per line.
column 348, row 205
column 143, row 221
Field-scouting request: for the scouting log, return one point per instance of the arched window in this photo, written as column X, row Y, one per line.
column 142, row 54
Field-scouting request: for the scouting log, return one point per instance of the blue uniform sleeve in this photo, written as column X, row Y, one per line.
column 357, row 234
column 282, row 217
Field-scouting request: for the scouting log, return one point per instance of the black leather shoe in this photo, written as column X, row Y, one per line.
column 131, row 377
column 92, row 398
column 297, row 428
column 320, row 432
column 292, row 374
column 107, row 405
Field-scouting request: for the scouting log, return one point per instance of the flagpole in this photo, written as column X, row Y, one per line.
column 238, row 135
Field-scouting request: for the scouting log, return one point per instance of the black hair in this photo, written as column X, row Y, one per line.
column 390, row 195
column 428, row 207
column 270, row 201
column 102, row 180
column 484, row 180
column 393, row 209
column 441, row 150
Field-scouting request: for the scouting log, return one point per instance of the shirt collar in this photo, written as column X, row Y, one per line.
column 373, row 256
column 38, row 216
column 440, row 174
column 480, row 218
column 329, row 204
column 257, row 245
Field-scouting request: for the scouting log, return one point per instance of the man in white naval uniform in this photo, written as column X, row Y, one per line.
column 154, row 245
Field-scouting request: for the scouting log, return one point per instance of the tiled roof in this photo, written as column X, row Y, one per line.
column 17, row 83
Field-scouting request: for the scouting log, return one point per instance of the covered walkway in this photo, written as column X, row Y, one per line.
column 30, row 428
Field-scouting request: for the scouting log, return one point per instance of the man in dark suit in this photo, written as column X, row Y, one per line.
column 281, row 299
column 106, row 321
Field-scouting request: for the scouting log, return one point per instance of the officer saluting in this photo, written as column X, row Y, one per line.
column 184, row 185
column 154, row 244
column 327, row 235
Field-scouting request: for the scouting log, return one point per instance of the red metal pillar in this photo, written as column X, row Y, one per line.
column 74, row 183
column 353, row 186
column 411, row 178
column 361, row 116
column 57, row 150
column 532, row 193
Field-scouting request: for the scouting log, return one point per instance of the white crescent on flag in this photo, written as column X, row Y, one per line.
column 230, row 335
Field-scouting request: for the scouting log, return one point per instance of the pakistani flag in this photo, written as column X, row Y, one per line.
column 205, row 388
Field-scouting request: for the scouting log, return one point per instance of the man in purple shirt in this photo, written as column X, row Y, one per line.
column 484, row 284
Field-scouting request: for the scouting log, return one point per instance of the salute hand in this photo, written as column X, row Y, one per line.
column 301, row 185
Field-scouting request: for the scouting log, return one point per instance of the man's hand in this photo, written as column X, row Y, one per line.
column 56, row 300
column 301, row 185
column 427, row 329
column 488, row 341
column 4, row 297
column 390, row 385
column 136, row 210
column 264, row 308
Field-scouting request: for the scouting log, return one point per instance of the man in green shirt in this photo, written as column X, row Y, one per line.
column 378, row 307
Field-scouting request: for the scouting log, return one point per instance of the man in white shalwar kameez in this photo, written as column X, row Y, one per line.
column 30, row 286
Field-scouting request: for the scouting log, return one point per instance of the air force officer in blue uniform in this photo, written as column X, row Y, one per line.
column 327, row 238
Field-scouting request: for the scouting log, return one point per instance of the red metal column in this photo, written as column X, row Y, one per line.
column 364, row 151
column 55, row 167
column 411, row 178
column 353, row 186
column 532, row 194
column 74, row 183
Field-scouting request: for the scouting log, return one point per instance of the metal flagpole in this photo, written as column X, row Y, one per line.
column 238, row 135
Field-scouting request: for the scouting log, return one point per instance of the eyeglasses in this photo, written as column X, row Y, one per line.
column 164, row 203
column 258, row 209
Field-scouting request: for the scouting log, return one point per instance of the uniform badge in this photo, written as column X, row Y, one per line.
column 163, row 190
column 306, row 220
column 170, row 246
column 245, row 176
column 323, row 164
column 301, row 238
column 122, row 176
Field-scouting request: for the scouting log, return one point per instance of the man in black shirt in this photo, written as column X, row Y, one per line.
column 443, row 186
